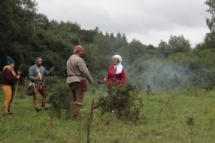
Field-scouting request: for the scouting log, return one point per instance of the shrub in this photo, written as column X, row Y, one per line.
column 59, row 96
column 124, row 101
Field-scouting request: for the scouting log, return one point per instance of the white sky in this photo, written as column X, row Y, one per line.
column 148, row 21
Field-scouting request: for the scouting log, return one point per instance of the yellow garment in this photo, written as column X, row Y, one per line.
column 8, row 97
column 10, row 68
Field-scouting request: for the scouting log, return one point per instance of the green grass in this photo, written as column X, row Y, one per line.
column 164, row 119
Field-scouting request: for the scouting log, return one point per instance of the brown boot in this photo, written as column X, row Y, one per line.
column 38, row 110
column 6, row 114
column 77, row 117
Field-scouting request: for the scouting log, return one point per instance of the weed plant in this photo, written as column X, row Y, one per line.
column 60, row 97
column 169, row 117
column 124, row 101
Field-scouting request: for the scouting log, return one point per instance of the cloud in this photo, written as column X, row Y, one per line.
column 155, row 36
column 146, row 21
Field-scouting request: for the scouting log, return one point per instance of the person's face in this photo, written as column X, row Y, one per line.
column 81, row 53
column 12, row 65
column 115, row 61
column 39, row 62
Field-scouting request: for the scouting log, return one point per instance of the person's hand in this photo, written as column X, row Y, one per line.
column 18, row 76
column 19, row 72
column 34, row 78
column 52, row 68
column 100, row 82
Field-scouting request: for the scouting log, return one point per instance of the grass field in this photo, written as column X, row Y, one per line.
column 167, row 117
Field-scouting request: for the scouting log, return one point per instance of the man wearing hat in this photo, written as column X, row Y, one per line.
column 9, row 79
column 77, row 71
column 36, row 73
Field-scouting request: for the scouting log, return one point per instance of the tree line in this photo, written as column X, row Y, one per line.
column 26, row 34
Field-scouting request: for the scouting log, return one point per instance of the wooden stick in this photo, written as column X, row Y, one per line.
column 17, row 83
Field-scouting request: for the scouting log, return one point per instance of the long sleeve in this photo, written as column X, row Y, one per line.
column 9, row 76
column 31, row 72
column 107, row 76
column 108, row 73
column 123, row 77
column 84, row 70
column 113, row 77
column 46, row 72
column 77, row 69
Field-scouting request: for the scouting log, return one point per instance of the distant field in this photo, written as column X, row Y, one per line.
column 167, row 117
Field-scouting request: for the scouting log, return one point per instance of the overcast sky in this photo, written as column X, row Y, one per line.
column 148, row 21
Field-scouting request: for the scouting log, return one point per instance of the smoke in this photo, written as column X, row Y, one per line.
column 158, row 74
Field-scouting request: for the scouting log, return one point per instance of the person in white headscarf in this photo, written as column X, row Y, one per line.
column 116, row 72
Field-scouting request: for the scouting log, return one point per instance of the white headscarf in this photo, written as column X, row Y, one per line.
column 119, row 66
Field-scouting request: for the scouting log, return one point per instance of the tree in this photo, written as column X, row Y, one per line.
column 16, row 26
column 163, row 45
column 179, row 44
column 150, row 47
column 210, row 37
column 136, row 49
column 165, row 48
column 211, row 10
column 118, row 35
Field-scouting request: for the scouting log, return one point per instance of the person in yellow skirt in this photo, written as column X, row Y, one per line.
column 8, row 83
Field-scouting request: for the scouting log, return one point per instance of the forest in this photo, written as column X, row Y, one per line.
column 168, row 95
column 174, row 64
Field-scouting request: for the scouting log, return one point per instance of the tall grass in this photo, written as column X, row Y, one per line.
column 177, row 117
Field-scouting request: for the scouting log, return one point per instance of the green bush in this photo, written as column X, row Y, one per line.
column 125, row 101
column 59, row 96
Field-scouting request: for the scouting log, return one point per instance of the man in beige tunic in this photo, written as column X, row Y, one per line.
column 77, row 70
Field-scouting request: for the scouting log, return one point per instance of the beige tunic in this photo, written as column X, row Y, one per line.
column 76, row 66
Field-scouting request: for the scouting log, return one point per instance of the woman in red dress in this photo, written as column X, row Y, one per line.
column 116, row 72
